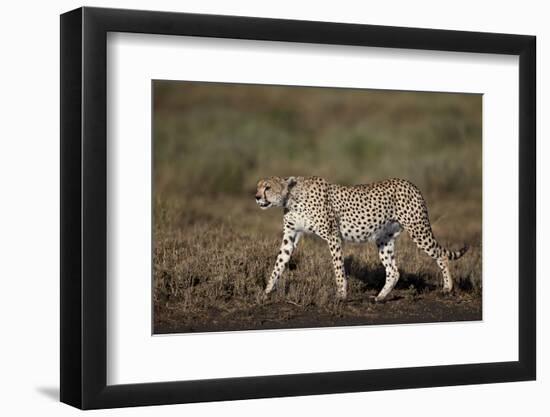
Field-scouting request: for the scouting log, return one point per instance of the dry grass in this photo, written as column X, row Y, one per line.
column 218, row 260
column 214, row 249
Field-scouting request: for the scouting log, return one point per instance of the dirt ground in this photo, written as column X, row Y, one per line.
column 403, row 306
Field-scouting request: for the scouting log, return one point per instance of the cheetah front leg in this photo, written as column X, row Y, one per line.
column 290, row 240
column 335, row 246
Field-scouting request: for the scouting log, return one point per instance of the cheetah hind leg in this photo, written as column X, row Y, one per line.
column 426, row 241
column 443, row 263
column 335, row 246
column 386, row 252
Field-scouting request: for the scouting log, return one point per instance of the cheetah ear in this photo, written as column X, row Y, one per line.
column 291, row 182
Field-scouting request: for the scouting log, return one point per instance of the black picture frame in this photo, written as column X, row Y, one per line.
column 84, row 207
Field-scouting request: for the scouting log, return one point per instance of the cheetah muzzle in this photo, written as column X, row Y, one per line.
column 376, row 212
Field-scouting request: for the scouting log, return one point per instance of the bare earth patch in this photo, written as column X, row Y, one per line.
column 401, row 308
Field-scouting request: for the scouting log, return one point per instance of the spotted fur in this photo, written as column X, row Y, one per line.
column 373, row 212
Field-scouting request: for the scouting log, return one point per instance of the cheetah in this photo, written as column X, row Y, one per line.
column 376, row 212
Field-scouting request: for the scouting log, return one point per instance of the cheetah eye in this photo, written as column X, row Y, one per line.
column 267, row 188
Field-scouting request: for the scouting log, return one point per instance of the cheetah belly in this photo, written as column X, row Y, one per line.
column 364, row 230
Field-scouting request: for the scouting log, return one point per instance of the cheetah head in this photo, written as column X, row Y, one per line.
column 273, row 191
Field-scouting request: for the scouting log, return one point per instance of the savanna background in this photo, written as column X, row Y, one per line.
column 214, row 248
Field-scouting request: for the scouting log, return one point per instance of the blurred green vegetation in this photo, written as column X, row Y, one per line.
column 212, row 138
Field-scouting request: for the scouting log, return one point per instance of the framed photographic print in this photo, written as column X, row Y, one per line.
column 258, row 207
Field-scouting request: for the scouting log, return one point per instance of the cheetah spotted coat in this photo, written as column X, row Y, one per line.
column 337, row 213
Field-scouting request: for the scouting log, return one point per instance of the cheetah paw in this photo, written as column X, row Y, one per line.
column 378, row 299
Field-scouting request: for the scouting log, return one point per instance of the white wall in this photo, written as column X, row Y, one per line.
column 29, row 225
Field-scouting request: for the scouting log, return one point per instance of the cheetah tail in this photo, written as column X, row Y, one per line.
column 453, row 255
